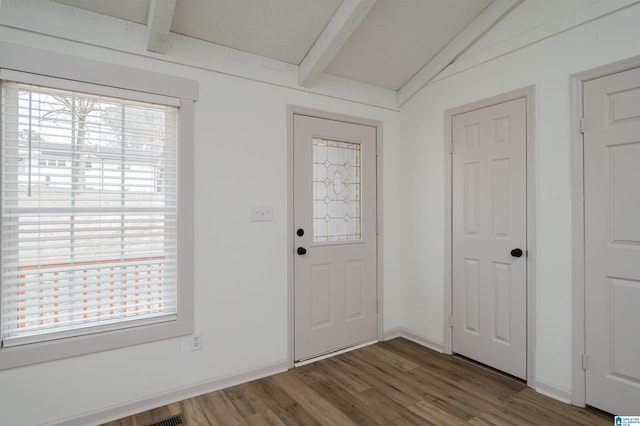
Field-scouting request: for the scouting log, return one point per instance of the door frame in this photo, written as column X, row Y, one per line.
column 528, row 94
column 300, row 110
column 579, row 374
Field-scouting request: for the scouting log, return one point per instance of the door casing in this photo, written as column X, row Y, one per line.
column 528, row 94
column 577, row 206
column 291, row 111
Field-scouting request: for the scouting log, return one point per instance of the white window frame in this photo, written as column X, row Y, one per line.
column 116, row 77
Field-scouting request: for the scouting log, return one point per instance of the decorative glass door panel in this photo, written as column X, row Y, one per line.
column 336, row 191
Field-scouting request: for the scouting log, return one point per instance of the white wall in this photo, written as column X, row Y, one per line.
column 240, row 266
column 547, row 64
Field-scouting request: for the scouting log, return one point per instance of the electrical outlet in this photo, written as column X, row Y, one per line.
column 262, row 213
column 196, row 341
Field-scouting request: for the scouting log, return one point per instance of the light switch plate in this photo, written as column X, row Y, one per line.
column 262, row 213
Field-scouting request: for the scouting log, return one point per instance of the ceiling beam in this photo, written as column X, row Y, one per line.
column 456, row 47
column 159, row 24
column 338, row 30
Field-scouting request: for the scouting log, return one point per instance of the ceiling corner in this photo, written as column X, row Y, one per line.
column 497, row 10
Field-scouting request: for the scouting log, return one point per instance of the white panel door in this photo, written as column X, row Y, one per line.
column 489, row 236
column 335, row 235
column 612, row 242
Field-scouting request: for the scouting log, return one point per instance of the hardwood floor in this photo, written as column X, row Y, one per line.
column 396, row 382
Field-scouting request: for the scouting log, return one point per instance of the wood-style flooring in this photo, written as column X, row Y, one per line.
column 397, row 382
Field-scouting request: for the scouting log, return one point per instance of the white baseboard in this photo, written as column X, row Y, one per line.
column 409, row 335
column 165, row 398
column 553, row 391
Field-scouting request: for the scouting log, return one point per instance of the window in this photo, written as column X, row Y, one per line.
column 90, row 206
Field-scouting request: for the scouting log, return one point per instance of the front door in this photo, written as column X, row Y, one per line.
column 335, row 289
column 612, row 241
column 489, row 257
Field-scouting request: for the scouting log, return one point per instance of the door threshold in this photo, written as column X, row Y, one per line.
column 330, row 354
column 488, row 368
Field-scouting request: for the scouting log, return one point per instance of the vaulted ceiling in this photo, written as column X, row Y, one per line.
column 398, row 45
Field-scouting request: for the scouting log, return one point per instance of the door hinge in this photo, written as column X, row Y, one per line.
column 451, row 321
column 585, row 360
column 582, row 125
column 451, row 148
column 378, row 150
column 378, row 306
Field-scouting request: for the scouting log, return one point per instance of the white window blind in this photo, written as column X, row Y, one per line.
column 89, row 212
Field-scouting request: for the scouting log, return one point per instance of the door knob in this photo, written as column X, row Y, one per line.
column 516, row 252
column 302, row 250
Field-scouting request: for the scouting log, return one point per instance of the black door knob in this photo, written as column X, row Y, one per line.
column 300, row 232
column 302, row 250
column 516, row 252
